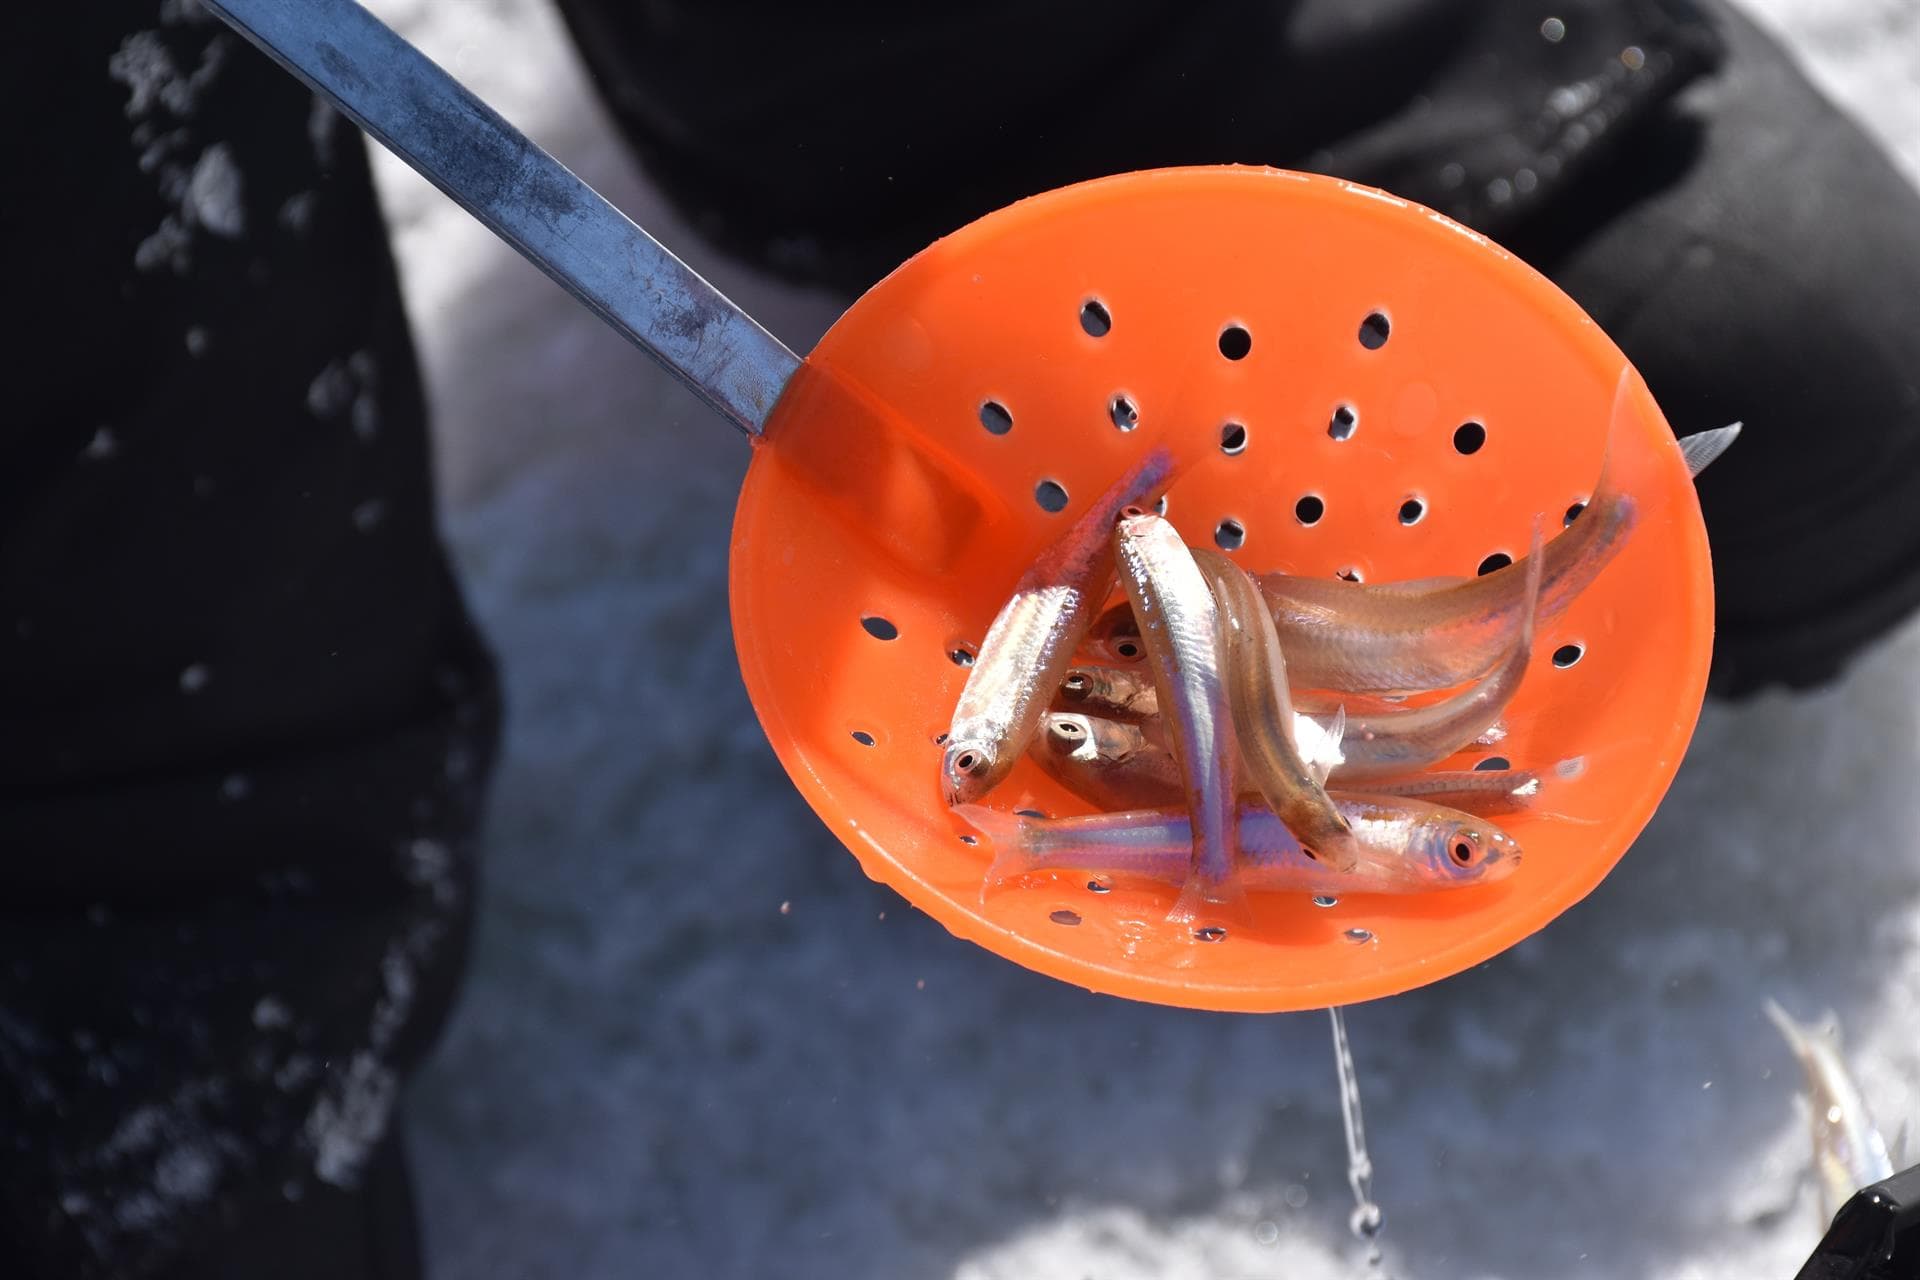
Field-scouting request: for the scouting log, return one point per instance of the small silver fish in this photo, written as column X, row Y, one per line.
column 1178, row 626
column 1033, row 638
column 1487, row 792
column 1848, row 1152
column 1407, row 847
column 1263, row 719
column 1398, row 742
column 1403, row 637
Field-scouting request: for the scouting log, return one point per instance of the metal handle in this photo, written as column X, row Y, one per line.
column 526, row 197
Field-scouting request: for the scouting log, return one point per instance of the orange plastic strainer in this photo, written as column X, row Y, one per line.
column 1287, row 336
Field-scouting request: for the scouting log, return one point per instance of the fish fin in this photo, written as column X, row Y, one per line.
column 1005, row 832
column 1337, row 729
column 1702, row 448
column 1204, row 899
column 1321, row 751
column 1314, row 739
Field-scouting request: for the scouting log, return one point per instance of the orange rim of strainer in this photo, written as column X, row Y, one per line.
column 890, row 507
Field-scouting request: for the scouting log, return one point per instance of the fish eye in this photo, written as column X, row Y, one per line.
column 1068, row 729
column 1463, row 851
column 1127, row 649
column 1076, row 682
column 966, row 762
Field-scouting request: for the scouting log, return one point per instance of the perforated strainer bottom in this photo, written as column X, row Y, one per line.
column 1351, row 385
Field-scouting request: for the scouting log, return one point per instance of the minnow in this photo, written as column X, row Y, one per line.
column 1848, row 1152
column 1485, row 792
column 1033, row 638
column 1406, row 847
column 1398, row 742
column 1178, row 627
column 1263, row 719
column 1401, row 638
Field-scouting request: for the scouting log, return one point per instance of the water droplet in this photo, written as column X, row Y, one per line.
column 1365, row 1221
column 195, row 678
column 1266, row 1232
column 104, row 445
column 1553, row 31
column 236, row 786
column 1064, row 916
column 1296, row 1196
column 368, row 515
column 1210, row 933
column 1099, row 886
column 786, row 908
column 1357, row 934
column 197, row 341
column 1325, row 900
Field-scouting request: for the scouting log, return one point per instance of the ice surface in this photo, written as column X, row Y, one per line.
column 656, row 1071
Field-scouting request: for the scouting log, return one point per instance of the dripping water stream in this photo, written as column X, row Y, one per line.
column 1367, row 1218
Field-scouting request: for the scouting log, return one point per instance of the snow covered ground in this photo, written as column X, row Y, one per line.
column 655, row 1070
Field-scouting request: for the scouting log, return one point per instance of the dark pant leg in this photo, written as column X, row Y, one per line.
column 246, row 719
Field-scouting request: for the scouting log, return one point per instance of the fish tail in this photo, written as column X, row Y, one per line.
column 1007, row 834
column 1206, row 896
column 1330, row 754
